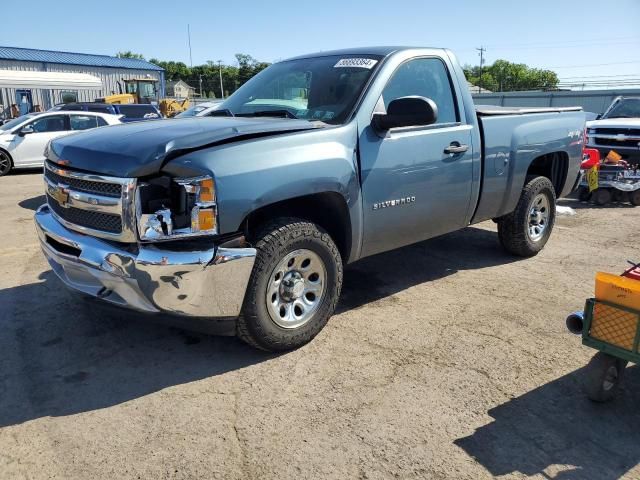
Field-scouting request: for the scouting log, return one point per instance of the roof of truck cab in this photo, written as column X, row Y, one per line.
column 381, row 51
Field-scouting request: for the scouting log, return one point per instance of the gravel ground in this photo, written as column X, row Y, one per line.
column 447, row 359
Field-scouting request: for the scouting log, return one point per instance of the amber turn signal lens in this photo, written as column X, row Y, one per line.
column 206, row 190
column 206, row 220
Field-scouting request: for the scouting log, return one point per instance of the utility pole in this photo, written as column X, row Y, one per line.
column 481, row 50
column 221, row 87
column 189, row 37
column 201, row 86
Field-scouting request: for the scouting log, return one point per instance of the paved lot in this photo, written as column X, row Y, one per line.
column 447, row 359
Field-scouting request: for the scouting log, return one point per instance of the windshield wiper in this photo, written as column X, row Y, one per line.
column 281, row 113
column 222, row 112
column 620, row 116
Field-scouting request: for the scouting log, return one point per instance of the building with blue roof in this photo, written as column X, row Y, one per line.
column 41, row 96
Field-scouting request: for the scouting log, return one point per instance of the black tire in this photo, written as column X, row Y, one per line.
column 584, row 194
column 6, row 163
column 634, row 198
column 274, row 242
column 604, row 376
column 618, row 196
column 513, row 229
column 601, row 196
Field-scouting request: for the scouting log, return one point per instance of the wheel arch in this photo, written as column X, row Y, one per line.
column 554, row 166
column 329, row 210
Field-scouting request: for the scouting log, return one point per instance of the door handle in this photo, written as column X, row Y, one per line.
column 456, row 147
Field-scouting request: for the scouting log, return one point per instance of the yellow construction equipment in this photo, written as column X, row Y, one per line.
column 144, row 90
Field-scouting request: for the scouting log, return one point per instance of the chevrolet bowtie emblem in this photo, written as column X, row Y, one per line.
column 61, row 194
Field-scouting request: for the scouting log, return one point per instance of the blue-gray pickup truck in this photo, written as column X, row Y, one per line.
column 246, row 219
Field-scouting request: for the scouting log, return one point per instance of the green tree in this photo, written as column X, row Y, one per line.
column 232, row 76
column 504, row 76
column 130, row 54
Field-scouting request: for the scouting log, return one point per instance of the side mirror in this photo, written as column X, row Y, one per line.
column 26, row 130
column 599, row 116
column 411, row 111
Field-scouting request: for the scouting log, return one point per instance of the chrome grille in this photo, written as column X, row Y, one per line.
column 85, row 218
column 109, row 189
column 617, row 137
column 94, row 204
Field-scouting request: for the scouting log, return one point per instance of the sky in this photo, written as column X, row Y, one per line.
column 581, row 40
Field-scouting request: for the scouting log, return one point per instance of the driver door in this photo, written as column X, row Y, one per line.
column 413, row 187
column 29, row 148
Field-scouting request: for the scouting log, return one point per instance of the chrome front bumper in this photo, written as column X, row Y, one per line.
column 148, row 278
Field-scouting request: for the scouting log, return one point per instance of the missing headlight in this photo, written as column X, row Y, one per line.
column 176, row 208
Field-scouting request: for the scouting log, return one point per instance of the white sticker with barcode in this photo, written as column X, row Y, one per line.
column 367, row 63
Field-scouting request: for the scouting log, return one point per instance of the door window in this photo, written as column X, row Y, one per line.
column 100, row 108
column 69, row 96
column 53, row 123
column 83, row 122
column 424, row 77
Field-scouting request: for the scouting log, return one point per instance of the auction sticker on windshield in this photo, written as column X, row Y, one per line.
column 367, row 63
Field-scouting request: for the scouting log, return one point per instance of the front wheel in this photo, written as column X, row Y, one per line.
column 5, row 163
column 525, row 231
column 634, row 198
column 294, row 287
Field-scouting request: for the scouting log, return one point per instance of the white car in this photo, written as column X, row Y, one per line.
column 23, row 139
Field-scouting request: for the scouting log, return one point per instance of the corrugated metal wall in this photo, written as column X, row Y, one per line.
column 48, row 98
column 595, row 101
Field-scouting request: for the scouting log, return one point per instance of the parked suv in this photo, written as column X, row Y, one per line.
column 131, row 112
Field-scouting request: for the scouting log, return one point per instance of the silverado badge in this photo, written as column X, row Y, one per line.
column 394, row 203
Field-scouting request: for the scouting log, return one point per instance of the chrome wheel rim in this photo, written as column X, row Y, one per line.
column 539, row 217
column 296, row 288
column 5, row 163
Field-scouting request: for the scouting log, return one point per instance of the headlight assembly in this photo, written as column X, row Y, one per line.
column 172, row 208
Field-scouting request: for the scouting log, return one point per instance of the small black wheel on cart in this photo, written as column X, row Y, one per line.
column 634, row 198
column 619, row 196
column 601, row 196
column 584, row 194
column 604, row 375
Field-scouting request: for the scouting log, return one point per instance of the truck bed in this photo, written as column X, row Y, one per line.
column 511, row 139
column 493, row 110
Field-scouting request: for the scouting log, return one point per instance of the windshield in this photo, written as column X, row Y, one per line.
column 14, row 123
column 147, row 90
column 319, row 88
column 625, row 108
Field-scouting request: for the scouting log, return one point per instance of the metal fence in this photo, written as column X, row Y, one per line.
column 595, row 101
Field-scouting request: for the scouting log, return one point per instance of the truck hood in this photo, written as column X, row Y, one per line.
column 615, row 123
column 141, row 149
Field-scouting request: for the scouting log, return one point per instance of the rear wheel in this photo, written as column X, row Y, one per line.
column 604, row 375
column 525, row 231
column 601, row 196
column 634, row 198
column 6, row 163
column 294, row 287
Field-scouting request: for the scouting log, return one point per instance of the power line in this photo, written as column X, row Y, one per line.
column 591, row 40
column 595, row 64
column 600, row 76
